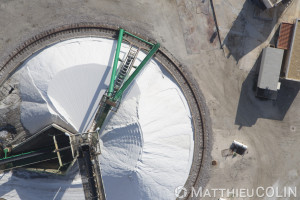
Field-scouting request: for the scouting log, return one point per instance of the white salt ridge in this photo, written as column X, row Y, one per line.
column 64, row 83
column 147, row 146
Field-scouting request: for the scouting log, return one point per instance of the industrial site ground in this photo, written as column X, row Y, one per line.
column 225, row 66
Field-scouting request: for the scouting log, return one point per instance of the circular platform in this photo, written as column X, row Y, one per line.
column 134, row 135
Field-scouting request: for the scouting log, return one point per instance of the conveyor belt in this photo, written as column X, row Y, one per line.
column 91, row 176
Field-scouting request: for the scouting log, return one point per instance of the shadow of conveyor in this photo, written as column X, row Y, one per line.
column 32, row 185
column 249, row 31
column 250, row 108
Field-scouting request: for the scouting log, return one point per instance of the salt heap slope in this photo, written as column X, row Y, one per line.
column 63, row 84
column 147, row 145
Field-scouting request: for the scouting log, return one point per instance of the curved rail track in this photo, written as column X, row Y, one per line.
column 199, row 175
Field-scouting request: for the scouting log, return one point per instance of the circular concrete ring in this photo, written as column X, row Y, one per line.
column 199, row 172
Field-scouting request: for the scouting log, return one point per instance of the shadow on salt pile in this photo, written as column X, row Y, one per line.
column 126, row 143
column 37, row 186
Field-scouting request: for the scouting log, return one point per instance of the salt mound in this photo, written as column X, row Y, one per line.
column 162, row 153
column 147, row 145
column 64, row 83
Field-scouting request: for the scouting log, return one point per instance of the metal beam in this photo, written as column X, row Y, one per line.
column 58, row 153
column 116, row 59
column 135, row 73
column 24, row 156
column 139, row 38
column 5, row 152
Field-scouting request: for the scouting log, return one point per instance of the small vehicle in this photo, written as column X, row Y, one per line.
column 266, row 4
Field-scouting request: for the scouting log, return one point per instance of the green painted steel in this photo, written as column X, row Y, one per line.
column 139, row 38
column 13, row 161
column 5, row 153
column 138, row 69
column 17, row 155
column 114, row 70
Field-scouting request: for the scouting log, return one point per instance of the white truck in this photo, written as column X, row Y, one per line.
column 271, row 3
column 266, row 4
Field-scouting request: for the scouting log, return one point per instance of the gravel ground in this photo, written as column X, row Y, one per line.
column 270, row 129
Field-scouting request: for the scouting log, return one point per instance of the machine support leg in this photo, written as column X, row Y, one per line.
column 57, row 151
column 116, row 59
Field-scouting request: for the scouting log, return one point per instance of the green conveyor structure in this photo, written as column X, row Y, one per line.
column 55, row 149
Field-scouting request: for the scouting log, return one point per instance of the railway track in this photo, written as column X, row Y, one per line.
column 198, row 176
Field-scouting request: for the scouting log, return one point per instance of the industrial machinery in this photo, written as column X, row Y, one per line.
column 266, row 4
column 55, row 149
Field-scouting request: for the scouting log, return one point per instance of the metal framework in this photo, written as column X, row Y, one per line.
column 83, row 147
column 120, row 79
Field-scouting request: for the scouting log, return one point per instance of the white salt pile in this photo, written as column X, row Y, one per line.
column 147, row 146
